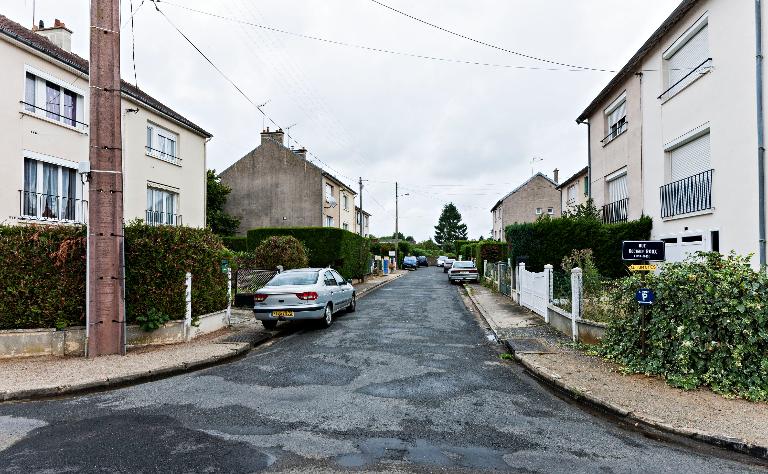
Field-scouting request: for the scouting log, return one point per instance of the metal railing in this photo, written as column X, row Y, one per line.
column 616, row 211
column 697, row 69
column 162, row 218
column 59, row 117
column 692, row 194
column 161, row 155
column 614, row 133
column 48, row 207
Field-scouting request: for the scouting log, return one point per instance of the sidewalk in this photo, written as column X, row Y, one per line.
column 700, row 414
column 42, row 377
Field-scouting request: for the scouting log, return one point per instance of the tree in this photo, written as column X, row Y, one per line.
column 219, row 221
column 449, row 227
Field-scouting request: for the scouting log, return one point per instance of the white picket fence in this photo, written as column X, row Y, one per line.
column 535, row 289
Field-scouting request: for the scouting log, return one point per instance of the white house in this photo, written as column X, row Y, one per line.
column 44, row 103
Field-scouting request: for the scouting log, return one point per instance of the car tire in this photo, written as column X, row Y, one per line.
column 269, row 325
column 352, row 305
column 327, row 319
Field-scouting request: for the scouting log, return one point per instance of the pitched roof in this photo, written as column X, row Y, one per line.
column 573, row 178
column 537, row 175
column 629, row 68
column 41, row 44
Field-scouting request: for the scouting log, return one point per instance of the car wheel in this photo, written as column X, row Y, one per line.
column 269, row 324
column 352, row 305
column 327, row 317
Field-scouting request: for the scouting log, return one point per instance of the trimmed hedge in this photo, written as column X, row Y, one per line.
column 236, row 244
column 343, row 250
column 458, row 245
column 490, row 251
column 548, row 241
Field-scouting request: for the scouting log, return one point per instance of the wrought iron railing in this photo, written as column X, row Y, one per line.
column 48, row 207
column 688, row 195
column 616, row 130
column 616, row 211
column 700, row 69
column 71, row 121
column 161, row 155
column 162, row 218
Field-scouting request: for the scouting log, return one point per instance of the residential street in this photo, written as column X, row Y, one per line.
column 410, row 382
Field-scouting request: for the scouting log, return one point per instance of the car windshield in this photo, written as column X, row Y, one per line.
column 294, row 278
column 410, row 259
column 463, row 265
column 441, row 258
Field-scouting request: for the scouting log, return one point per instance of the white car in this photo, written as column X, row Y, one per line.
column 441, row 260
column 463, row 271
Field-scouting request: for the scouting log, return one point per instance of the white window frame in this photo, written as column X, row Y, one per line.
column 345, row 200
column 616, row 119
column 551, row 211
column 345, row 226
column 328, row 221
column 571, row 195
column 539, row 211
column 680, row 43
column 61, row 200
column 38, row 108
column 165, row 217
column 157, row 140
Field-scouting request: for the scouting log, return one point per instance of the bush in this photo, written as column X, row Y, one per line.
column 459, row 244
column 708, row 327
column 490, row 251
column 236, row 244
column 343, row 250
column 548, row 241
column 280, row 250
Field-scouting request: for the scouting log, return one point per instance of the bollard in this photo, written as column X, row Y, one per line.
column 229, row 297
column 188, row 315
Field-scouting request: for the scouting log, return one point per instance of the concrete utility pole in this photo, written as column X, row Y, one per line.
column 362, row 219
column 106, row 275
column 397, row 231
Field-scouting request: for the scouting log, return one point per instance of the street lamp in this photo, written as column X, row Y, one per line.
column 397, row 230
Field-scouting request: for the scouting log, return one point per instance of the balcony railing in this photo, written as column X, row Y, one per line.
column 616, row 211
column 692, row 194
column 618, row 129
column 48, row 207
column 161, row 155
column 162, row 218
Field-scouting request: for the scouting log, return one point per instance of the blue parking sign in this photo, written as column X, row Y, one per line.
column 644, row 296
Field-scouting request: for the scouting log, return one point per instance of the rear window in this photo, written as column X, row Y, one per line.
column 294, row 278
column 463, row 265
column 410, row 259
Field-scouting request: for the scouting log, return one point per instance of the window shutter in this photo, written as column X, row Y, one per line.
column 617, row 189
column 688, row 58
column 691, row 159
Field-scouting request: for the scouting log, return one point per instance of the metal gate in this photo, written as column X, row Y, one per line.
column 505, row 279
column 534, row 291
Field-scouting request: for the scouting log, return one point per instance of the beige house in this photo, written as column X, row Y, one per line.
column 536, row 197
column 574, row 191
column 275, row 186
column 362, row 222
column 44, row 110
column 674, row 135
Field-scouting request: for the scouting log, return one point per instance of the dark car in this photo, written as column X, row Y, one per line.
column 422, row 261
column 410, row 263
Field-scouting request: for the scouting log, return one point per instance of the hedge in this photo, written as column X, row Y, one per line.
column 490, row 251
column 343, row 250
column 43, row 272
column 236, row 244
column 459, row 244
column 548, row 241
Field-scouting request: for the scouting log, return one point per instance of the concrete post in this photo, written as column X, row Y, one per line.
column 550, row 290
column 576, row 301
column 188, row 315
column 229, row 297
column 520, row 283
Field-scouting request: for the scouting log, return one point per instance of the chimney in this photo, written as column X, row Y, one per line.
column 557, row 176
column 301, row 153
column 275, row 137
column 58, row 34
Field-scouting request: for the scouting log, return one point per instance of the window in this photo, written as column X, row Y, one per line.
column 551, row 211
column 617, row 189
column 30, row 92
column 345, row 200
column 162, row 207
column 52, row 100
column 328, row 191
column 616, row 119
column 687, row 59
column 50, row 192
column 690, row 159
column 539, row 211
column 329, row 221
column 571, row 194
column 328, row 279
column 161, row 144
column 345, row 226
column 586, row 185
column 339, row 279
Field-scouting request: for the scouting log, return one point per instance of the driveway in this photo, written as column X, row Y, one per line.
column 410, row 382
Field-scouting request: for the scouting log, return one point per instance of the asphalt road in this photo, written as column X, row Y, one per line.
column 408, row 383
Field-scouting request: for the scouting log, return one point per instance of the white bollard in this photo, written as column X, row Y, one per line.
column 188, row 315
column 229, row 297
column 550, row 290
column 576, row 301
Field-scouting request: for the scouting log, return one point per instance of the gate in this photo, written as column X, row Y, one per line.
column 505, row 279
column 535, row 289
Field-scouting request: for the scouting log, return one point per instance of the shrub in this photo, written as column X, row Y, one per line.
column 236, row 244
column 458, row 245
column 490, row 251
column 343, row 250
column 280, row 250
column 708, row 326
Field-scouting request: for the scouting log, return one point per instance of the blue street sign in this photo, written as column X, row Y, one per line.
column 645, row 296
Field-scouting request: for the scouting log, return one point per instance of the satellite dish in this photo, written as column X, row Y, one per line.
column 331, row 201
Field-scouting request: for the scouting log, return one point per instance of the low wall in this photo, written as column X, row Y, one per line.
column 588, row 332
column 71, row 341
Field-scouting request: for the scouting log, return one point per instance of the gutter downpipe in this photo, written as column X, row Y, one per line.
column 760, row 129
column 589, row 156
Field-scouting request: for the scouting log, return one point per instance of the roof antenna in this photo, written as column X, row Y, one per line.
column 33, row 12
column 288, row 132
column 534, row 160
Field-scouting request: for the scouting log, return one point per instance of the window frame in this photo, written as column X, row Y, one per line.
column 166, row 218
column 672, row 89
column 36, row 102
column 615, row 125
column 157, row 134
column 539, row 211
column 67, row 194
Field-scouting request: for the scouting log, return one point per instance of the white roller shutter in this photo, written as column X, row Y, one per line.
column 689, row 57
column 617, row 189
column 691, row 159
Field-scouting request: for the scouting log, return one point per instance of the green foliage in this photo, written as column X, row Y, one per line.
column 345, row 251
column 280, row 250
column 548, row 241
column 429, row 245
column 584, row 211
column 458, row 246
column 42, row 270
column 219, row 221
column 596, row 303
column 490, row 251
column 236, row 244
column 152, row 321
column 449, row 227
column 708, row 327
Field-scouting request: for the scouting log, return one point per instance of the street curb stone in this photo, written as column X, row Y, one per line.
column 733, row 444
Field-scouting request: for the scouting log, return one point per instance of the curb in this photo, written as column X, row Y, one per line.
column 379, row 285
column 734, row 444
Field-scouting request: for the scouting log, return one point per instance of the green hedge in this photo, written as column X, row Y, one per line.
column 345, row 251
column 459, row 244
column 548, row 241
column 490, row 251
column 236, row 244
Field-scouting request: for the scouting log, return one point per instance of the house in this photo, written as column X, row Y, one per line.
column 677, row 134
column 574, row 191
column 536, row 197
column 362, row 222
column 44, row 109
column 275, row 186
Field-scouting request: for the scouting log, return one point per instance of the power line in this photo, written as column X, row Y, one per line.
column 133, row 43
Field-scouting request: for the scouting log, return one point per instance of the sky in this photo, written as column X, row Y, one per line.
column 444, row 130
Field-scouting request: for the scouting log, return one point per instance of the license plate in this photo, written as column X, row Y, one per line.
column 282, row 314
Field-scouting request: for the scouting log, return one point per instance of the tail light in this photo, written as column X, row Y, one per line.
column 472, row 270
column 307, row 296
column 259, row 298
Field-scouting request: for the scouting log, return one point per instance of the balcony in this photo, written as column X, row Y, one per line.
column 687, row 196
column 162, row 155
column 155, row 218
column 47, row 207
column 616, row 211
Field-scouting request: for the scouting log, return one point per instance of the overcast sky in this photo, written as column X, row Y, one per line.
column 446, row 131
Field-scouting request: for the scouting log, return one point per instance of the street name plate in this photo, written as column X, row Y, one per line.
column 645, row 250
column 642, row 268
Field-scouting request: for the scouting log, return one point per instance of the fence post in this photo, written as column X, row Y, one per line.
column 520, row 283
column 576, row 301
column 550, row 290
column 485, row 269
column 229, row 297
column 188, row 315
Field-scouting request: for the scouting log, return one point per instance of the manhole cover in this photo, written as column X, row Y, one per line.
column 529, row 345
column 251, row 336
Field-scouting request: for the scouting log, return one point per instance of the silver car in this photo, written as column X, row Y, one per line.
column 447, row 263
column 463, row 271
column 308, row 293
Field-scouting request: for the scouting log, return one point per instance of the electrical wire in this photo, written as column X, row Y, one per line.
column 133, row 44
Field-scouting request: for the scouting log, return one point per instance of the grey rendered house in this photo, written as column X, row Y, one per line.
column 538, row 196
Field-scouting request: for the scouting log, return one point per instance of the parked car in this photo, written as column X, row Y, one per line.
column 447, row 264
column 463, row 271
column 308, row 293
column 410, row 263
column 441, row 260
column 422, row 261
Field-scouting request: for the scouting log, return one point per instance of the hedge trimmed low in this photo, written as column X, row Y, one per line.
column 236, row 244
column 343, row 250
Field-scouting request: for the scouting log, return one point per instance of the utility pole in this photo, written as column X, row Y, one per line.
column 362, row 219
column 106, row 275
column 397, row 231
